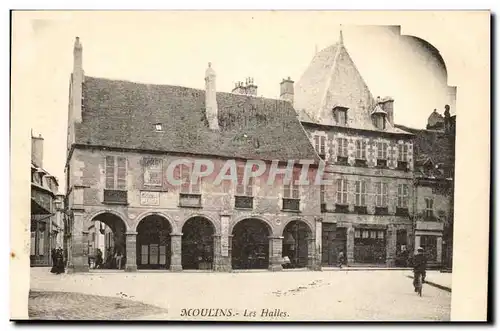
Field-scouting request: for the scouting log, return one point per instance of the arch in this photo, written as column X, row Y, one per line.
column 258, row 217
column 90, row 218
column 153, row 242
column 145, row 214
column 250, row 243
column 108, row 240
column 297, row 234
column 293, row 219
column 198, row 243
column 207, row 217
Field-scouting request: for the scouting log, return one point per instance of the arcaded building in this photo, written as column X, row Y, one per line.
column 367, row 208
column 124, row 138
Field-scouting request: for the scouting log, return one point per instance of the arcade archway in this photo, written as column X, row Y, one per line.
column 106, row 242
column 250, row 244
column 198, row 244
column 295, row 243
column 153, row 243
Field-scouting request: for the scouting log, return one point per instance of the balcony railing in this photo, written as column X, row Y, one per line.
column 360, row 210
column 291, row 204
column 115, row 197
column 190, row 200
column 381, row 211
column 342, row 160
column 400, row 211
column 360, row 163
column 243, row 202
column 381, row 163
column 341, row 208
column 403, row 165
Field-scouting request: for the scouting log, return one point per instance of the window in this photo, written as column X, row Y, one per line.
column 360, row 193
column 158, row 127
column 380, row 235
column 341, row 116
column 188, row 186
column 380, row 121
column 429, row 207
column 116, row 173
column 403, row 195
column 366, row 234
column 373, row 234
column 243, row 189
column 403, row 152
column 357, row 233
column 291, row 190
column 382, row 150
column 319, row 144
column 152, row 172
column 381, row 194
column 341, row 191
column 429, row 243
column 322, row 194
column 342, row 147
column 360, row 149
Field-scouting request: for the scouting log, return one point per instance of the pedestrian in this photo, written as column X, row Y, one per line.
column 59, row 265
column 341, row 259
column 118, row 259
column 98, row 259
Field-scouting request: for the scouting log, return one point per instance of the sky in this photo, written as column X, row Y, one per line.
column 175, row 47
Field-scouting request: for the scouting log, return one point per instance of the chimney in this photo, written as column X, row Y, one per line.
column 251, row 88
column 286, row 90
column 37, row 151
column 211, row 98
column 387, row 105
column 77, row 81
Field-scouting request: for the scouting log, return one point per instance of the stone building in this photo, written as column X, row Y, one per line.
column 47, row 223
column 123, row 140
column 367, row 206
column 434, row 187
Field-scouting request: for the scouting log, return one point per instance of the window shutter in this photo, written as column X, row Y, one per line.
column 363, row 193
column 295, row 187
column 110, row 172
column 316, row 143
column 186, row 178
column 322, row 144
column 385, row 194
column 240, row 190
column 121, row 173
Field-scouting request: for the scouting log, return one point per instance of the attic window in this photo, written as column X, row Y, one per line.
column 340, row 115
column 158, row 127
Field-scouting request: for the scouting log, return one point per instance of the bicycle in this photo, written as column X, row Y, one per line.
column 419, row 284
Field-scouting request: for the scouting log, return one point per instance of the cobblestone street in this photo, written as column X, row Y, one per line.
column 300, row 295
column 76, row 306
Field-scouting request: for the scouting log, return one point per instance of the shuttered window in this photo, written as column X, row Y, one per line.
column 116, row 173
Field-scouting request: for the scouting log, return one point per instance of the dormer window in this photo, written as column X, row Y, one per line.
column 158, row 127
column 378, row 117
column 340, row 114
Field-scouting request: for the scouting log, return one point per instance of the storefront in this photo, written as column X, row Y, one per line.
column 369, row 245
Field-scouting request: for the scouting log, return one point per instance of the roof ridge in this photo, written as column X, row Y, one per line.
column 181, row 86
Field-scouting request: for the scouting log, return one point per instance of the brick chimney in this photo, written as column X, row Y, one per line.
column 211, row 98
column 286, row 90
column 248, row 88
column 37, row 151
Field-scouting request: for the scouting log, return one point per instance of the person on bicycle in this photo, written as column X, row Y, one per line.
column 419, row 266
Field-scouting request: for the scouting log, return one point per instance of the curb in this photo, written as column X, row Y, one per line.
column 441, row 287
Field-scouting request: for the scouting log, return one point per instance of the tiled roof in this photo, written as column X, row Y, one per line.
column 123, row 114
column 434, row 152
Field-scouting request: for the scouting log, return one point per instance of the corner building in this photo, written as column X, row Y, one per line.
column 122, row 139
column 367, row 209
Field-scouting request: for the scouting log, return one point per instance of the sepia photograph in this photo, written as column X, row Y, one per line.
column 247, row 166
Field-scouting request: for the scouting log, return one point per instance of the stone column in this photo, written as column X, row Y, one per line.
column 79, row 246
column 318, row 251
column 391, row 241
column 350, row 244
column 131, row 251
column 222, row 259
column 439, row 249
column 176, row 251
column 312, row 261
column 275, row 253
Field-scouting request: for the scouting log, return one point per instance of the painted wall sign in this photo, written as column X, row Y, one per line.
column 150, row 198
